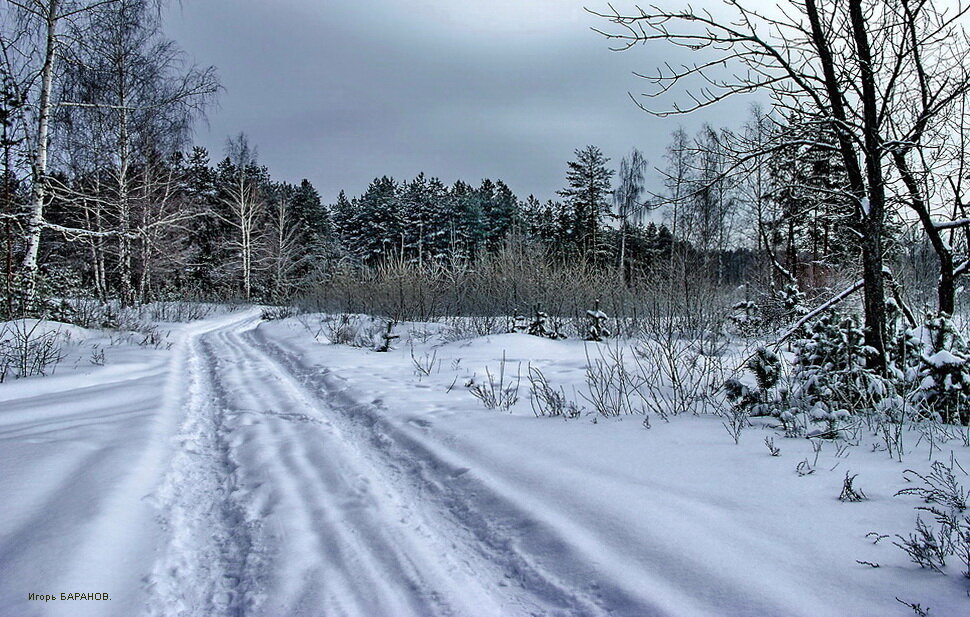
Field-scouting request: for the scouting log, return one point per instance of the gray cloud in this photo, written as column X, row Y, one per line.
column 340, row 92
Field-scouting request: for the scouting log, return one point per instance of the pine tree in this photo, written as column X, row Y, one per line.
column 464, row 217
column 343, row 218
column 422, row 203
column 501, row 212
column 588, row 198
column 206, row 233
column 307, row 205
column 378, row 234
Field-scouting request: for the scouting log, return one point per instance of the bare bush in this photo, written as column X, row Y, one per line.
column 27, row 350
column 677, row 377
column 274, row 313
column 342, row 329
column 463, row 328
column 939, row 486
column 424, row 364
column 613, row 390
column 482, row 296
column 549, row 401
column 849, row 491
column 176, row 312
column 497, row 393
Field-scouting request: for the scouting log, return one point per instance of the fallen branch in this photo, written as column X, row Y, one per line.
column 818, row 311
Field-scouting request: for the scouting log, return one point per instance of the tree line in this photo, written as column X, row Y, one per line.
column 857, row 166
column 877, row 88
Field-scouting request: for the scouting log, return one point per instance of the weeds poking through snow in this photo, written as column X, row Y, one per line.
column 923, row 547
column 804, row 468
column 939, row 486
column 736, row 420
column 26, row 352
column 928, row 547
column 849, row 492
column 772, row 448
column 495, row 394
column 97, row 355
column 425, row 364
column 876, row 537
column 611, row 386
column 547, row 401
column 152, row 336
column 917, row 609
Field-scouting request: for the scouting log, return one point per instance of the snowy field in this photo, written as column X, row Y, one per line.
column 247, row 467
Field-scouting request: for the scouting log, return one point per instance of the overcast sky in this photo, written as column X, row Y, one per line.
column 342, row 91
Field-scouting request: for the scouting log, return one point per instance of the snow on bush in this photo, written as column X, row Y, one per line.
column 597, row 330
column 747, row 318
column 30, row 347
column 542, row 326
column 944, row 371
column 830, row 375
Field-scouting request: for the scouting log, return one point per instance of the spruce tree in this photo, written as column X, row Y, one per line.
column 588, row 197
column 378, row 233
column 501, row 213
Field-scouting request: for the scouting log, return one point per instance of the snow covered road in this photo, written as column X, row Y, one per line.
column 254, row 472
column 276, row 498
column 281, row 502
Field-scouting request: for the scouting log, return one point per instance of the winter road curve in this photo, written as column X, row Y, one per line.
column 252, row 471
column 286, row 497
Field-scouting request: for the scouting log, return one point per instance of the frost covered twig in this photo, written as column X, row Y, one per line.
column 496, row 394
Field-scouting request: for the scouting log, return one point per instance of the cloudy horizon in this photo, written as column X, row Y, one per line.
column 340, row 94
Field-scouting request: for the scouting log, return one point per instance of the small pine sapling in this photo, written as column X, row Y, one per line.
column 830, row 373
column 746, row 317
column 597, row 330
column 757, row 400
column 944, row 374
column 387, row 338
column 540, row 326
column 793, row 301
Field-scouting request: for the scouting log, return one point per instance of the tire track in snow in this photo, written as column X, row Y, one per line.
column 284, row 499
column 208, row 558
column 365, row 559
column 533, row 562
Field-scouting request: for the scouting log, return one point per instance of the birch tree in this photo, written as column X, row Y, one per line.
column 628, row 201
column 855, row 64
column 38, row 54
column 128, row 84
column 244, row 207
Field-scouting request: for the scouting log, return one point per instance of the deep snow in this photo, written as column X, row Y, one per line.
column 255, row 469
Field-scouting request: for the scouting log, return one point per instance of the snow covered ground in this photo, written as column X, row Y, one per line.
column 255, row 469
